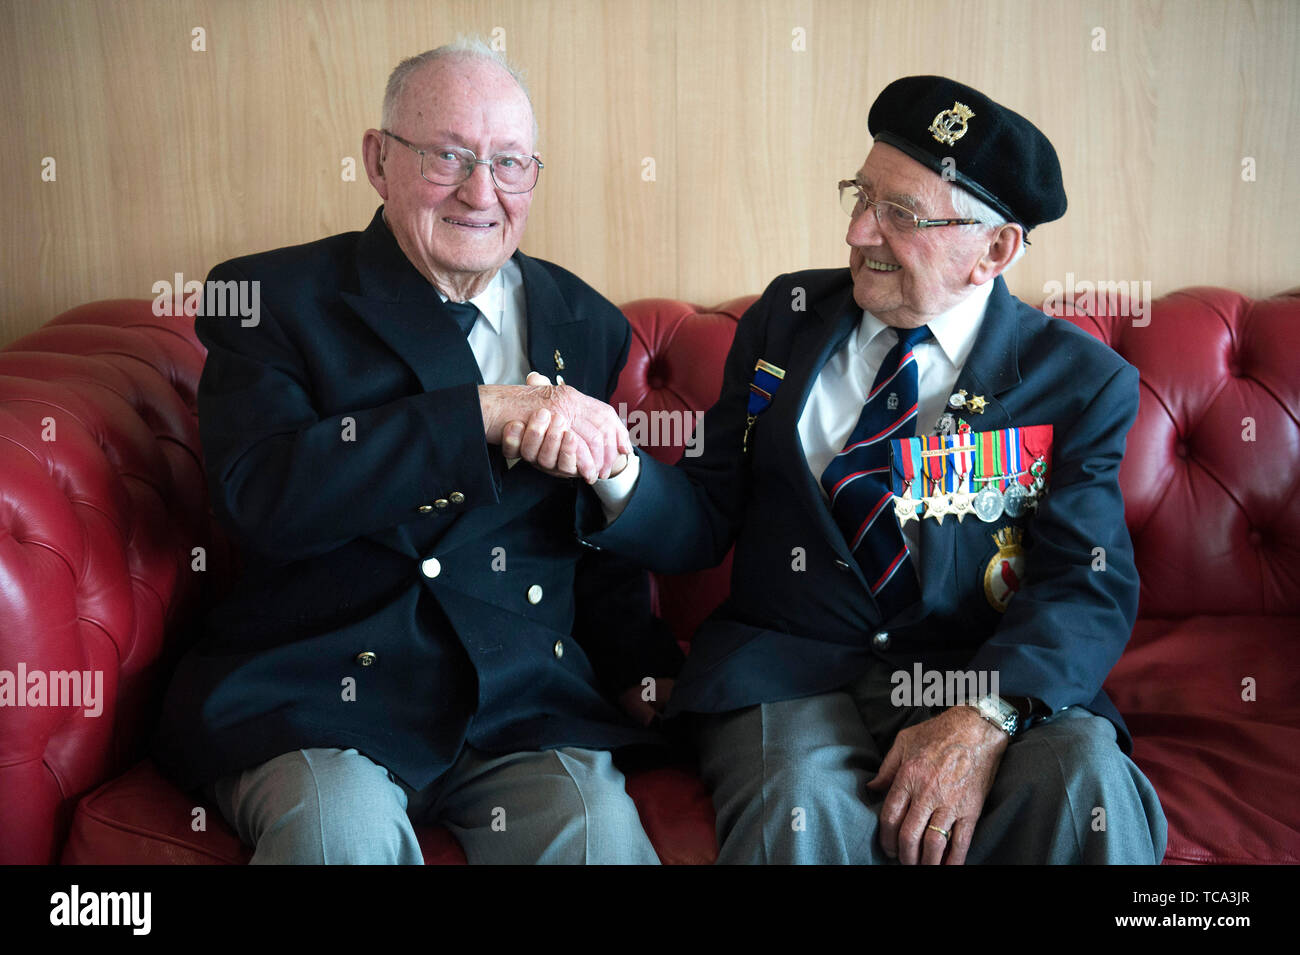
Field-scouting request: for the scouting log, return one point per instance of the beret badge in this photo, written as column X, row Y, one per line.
column 950, row 125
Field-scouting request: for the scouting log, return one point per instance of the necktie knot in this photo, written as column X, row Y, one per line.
column 910, row 337
column 465, row 314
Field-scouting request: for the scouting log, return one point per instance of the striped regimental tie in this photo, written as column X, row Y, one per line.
column 857, row 479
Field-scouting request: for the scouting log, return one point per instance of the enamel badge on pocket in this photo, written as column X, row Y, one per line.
column 1005, row 569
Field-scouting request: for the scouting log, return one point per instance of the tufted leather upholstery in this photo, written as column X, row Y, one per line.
column 98, row 530
column 101, row 502
column 1215, row 520
column 667, row 371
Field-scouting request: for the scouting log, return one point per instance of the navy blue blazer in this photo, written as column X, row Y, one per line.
column 792, row 628
column 334, row 532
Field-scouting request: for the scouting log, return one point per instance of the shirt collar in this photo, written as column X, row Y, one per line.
column 954, row 330
column 491, row 302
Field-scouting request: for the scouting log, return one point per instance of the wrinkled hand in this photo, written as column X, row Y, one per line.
column 556, row 428
column 939, row 773
column 643, row 711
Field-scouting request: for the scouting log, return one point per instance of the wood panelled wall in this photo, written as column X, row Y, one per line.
column 1178, row 139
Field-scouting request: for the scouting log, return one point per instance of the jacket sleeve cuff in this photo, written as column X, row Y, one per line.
column 614, row 492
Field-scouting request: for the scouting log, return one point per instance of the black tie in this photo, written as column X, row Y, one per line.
column 464, row 313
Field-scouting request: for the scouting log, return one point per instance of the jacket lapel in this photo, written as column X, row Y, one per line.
column 836, row 317
column 994, row 365
column 400, row 306
column 554, row 329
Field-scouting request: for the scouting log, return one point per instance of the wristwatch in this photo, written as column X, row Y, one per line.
column 998, row 712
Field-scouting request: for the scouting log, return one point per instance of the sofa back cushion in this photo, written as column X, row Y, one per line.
column 674, row 369
column 1211, row 478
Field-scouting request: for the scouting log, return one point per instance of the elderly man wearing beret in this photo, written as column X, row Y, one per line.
column 932, row 574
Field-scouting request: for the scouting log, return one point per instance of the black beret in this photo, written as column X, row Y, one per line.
column 995, row 154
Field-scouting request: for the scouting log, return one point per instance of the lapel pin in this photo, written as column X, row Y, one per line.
column 765, row 373
column 976, row 404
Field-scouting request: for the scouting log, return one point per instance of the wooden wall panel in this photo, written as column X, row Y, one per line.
column 170, row 160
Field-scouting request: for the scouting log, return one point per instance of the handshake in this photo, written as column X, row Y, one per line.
column 555, row 428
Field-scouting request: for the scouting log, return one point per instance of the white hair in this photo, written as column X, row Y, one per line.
column 467, row 47
column 969, row 206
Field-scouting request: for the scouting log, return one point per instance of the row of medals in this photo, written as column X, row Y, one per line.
column 988, row 504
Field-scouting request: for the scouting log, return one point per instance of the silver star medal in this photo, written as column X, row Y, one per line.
column 937, row 507
column 905, row 509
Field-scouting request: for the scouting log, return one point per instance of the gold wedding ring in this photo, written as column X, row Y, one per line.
column 942, row 832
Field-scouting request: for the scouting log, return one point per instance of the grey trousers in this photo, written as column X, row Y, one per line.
column 332, row 806
column 789, row 785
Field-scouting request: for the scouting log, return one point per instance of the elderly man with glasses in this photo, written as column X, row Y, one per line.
column 932, row 573
column 416, row 634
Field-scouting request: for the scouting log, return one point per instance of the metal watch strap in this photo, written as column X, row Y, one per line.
column 998, row 712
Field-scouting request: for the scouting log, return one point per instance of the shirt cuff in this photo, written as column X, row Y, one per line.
column 615, row 492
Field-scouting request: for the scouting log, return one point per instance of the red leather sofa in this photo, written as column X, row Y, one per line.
column 107, row 548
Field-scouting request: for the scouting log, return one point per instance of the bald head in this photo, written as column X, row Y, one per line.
column 462, row 51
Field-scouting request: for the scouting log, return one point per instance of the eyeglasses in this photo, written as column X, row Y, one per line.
column 452, row 165
column 890, row 215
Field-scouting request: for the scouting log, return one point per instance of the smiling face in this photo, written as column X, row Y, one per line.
column 457, row 236
column 907, row 278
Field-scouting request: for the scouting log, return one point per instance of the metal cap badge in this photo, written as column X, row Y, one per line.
column 945, row 127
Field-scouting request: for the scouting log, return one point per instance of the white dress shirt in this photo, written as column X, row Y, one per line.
column 837, row 396
column 499, row 337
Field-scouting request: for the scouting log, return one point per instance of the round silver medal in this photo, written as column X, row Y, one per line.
column 1015, row 499
column 988, row 505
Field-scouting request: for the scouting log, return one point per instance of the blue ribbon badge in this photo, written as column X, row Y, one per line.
column 767, row 378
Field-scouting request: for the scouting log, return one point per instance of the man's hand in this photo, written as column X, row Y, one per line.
column 555, row 427
column 643, row 711
column 552, row 441
column 939, row 773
